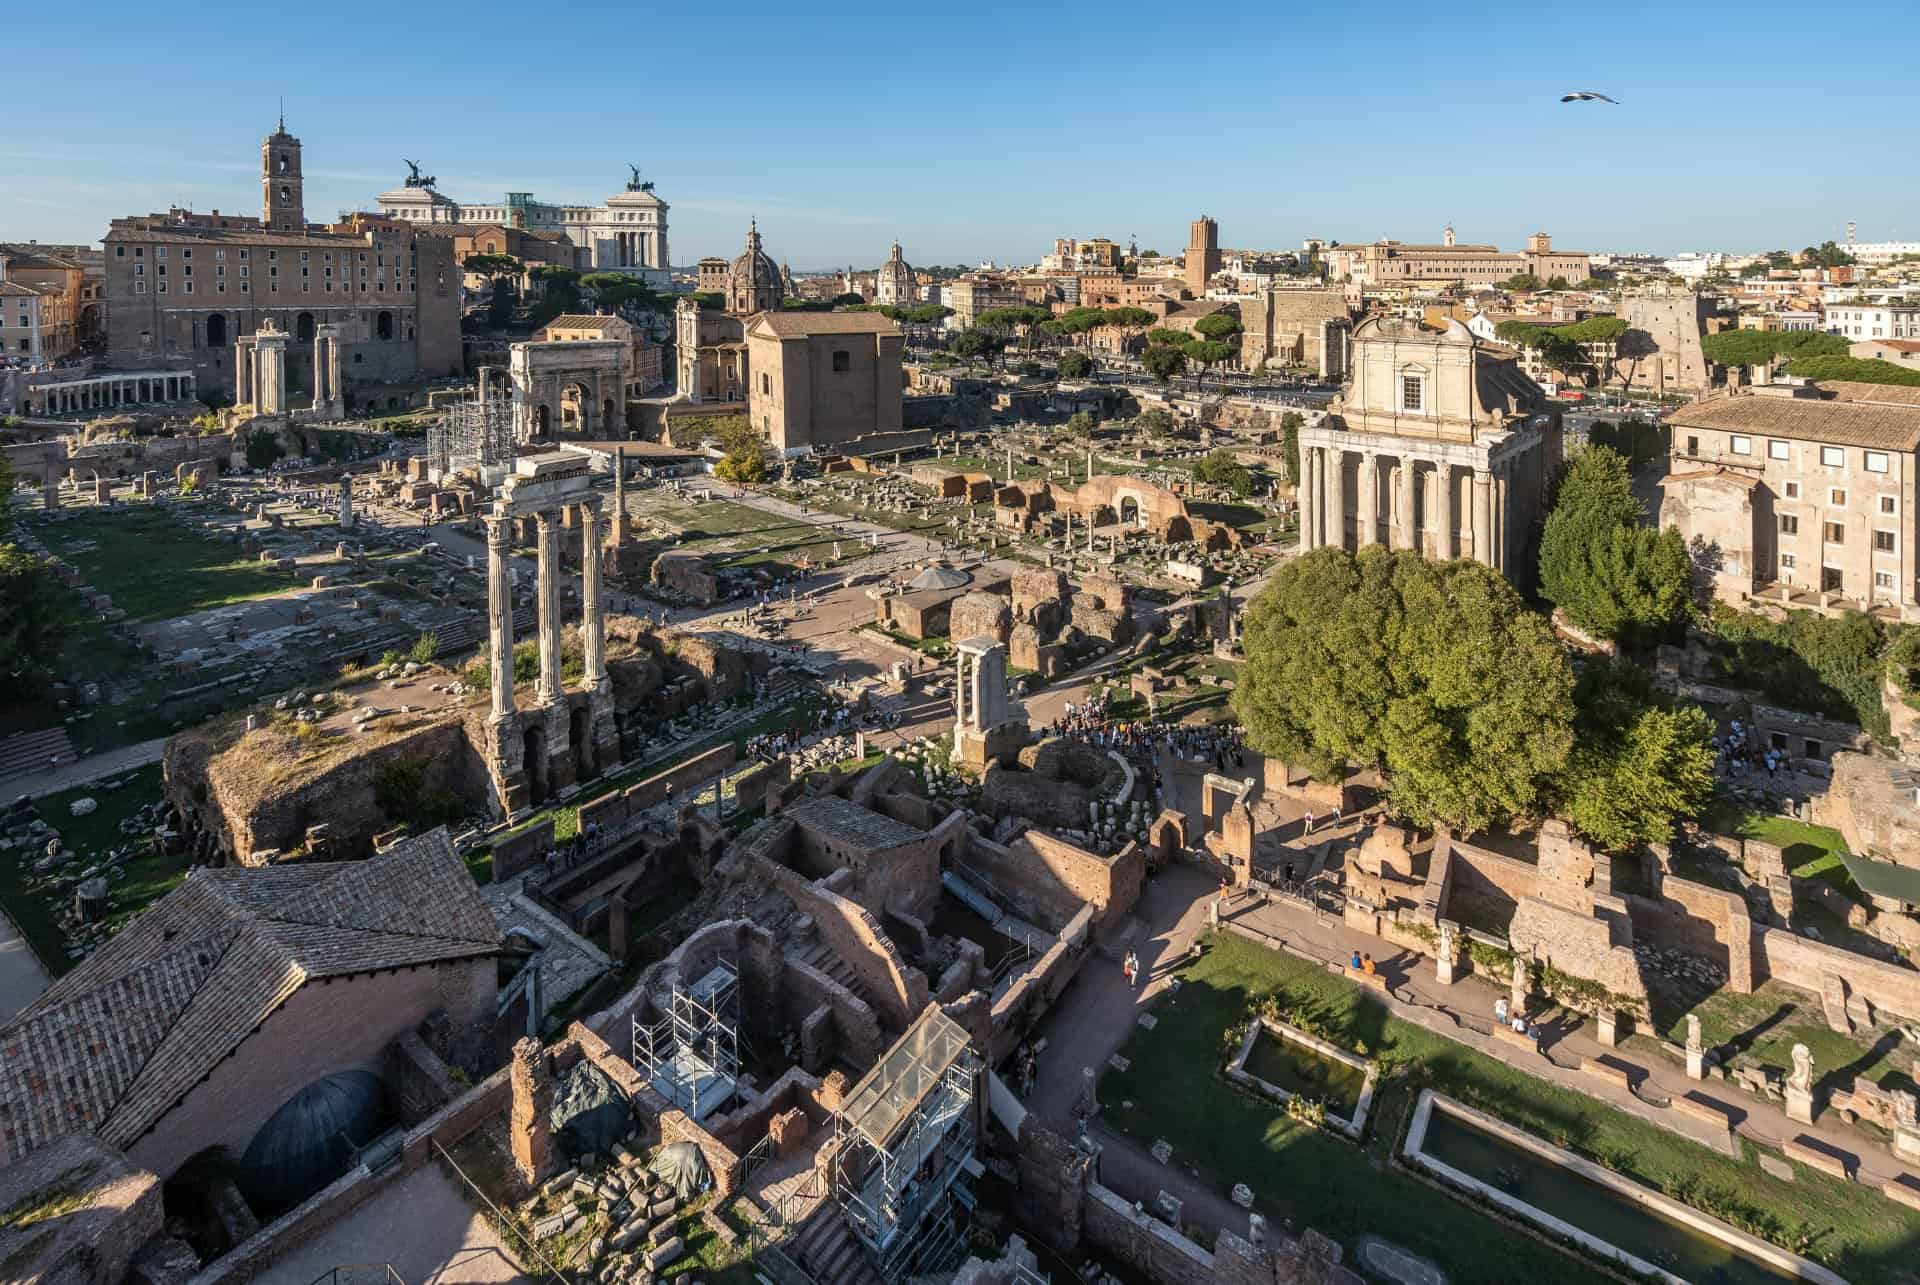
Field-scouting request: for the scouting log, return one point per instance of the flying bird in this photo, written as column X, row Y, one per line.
column 1586, row 96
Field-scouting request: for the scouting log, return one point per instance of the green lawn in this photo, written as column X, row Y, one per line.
column 156, row 568
column 148, row 878
column 1811, row 851
column 1172, row 1089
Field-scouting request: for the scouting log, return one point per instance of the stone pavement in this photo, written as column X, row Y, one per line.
column 423, row 1227
column 1463, row 1012
column 84, row 771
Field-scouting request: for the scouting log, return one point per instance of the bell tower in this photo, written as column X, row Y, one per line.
column 283, row 205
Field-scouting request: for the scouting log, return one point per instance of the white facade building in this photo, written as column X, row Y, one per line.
column 626, row 234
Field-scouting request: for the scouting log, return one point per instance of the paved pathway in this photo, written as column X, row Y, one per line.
column 83, row 771
column 423, row 1226
column 21, row 976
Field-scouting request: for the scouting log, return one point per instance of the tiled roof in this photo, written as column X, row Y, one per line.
column 798, row 325
column 118, row 1042
column 1874, row 425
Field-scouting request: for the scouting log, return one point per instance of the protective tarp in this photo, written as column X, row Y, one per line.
column 681, row 1166
column 311, row 1140
column 589, row 1112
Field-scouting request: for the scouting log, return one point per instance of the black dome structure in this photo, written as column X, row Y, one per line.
column 311, row 1140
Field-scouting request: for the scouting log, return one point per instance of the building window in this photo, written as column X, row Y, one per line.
column 1778, row 450
column 1883, row 541
column 1832, row 456
column 1412, row 392
column 1789, row 524
column 1740, row 445
column 1836, row 497
column 1836, row 533
column 1876, row 461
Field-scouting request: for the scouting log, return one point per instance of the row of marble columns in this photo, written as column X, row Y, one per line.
column 1323, row 504
column 105, row 392
column 549, row 688
column 260, row 371
column 328, row 400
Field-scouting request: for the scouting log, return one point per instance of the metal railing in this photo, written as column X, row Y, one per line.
column 360, row 1274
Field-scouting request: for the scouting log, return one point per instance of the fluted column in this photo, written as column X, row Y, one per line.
column 548, row 526
column 1409, row 525
column 1336, row 497
column 1483, row 517
column 593, row 620
column 1307, row 497
column 500, row 614
column 1369, row 520
column 1448, row 544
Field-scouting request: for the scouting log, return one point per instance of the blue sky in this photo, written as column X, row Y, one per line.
column 984, row 130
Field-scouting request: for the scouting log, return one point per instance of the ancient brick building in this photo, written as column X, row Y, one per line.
column 182, row 288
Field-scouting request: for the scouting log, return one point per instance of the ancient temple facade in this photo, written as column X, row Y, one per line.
column 1439, row 443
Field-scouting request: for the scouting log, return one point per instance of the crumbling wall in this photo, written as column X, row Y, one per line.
column 896, row 988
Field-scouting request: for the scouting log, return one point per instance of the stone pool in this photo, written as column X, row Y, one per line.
column 1283, row 1062
column 1610, row 1215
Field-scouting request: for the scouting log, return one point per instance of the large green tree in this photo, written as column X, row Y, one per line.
column 33, row 619
column 1434, row 673
column 1290, row 425
column 1163, row 361
column 1639, row 762
column 1614, row 577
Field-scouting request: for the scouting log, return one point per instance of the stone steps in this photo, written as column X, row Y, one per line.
column 28, row 752
column 827, row 1250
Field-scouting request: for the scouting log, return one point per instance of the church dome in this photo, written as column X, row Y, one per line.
column 753, row 282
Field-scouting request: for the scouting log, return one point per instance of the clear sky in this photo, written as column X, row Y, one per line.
column 985, row 129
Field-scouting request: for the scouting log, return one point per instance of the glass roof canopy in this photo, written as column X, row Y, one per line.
column 887, row 1096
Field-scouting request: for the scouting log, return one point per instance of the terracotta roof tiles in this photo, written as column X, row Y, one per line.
column 118, row 1042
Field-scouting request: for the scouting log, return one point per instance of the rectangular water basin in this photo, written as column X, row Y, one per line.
column 1283, row 1062
column 1609, row 1215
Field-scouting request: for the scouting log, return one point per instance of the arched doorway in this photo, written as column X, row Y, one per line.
column 576, row 409
column 534, row 761
column 303, row 326
column 216, row 330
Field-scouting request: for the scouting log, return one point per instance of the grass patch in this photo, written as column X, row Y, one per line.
column 1811, row 851
column 155, row 568
column 1172, row 1089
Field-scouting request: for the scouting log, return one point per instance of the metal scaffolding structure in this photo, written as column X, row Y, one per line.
column 904, row 1163
column 471, row 433
column 691, row 1056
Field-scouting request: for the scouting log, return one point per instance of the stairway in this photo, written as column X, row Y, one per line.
column 817, row 955
column 827, row 1250
column 29, row 752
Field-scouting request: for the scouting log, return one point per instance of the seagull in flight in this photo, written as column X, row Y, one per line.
column 1586, row 96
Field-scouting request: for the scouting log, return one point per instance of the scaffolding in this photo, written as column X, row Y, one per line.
column 691, row 1057
column 903, row 1163
column 471, row 434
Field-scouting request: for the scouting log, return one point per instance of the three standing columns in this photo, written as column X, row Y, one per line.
column 550, row 687
column 592, row 623
column 500, row 614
